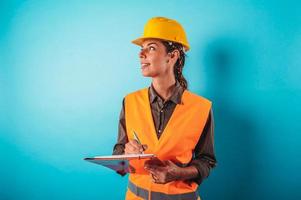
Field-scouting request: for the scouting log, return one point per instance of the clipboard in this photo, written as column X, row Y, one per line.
column 118, row 163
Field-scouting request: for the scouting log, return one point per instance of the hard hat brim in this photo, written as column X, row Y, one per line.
column 140, row 40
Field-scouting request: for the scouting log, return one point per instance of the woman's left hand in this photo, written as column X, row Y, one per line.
column 163, row 173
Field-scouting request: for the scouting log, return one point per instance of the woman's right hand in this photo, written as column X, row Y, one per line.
column 133, row 147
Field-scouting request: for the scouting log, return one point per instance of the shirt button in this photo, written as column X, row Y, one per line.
column 159, row 131
column 161, row 111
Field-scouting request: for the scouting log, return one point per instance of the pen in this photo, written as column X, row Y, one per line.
column 137, row 139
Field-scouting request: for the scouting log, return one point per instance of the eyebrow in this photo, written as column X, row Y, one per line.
column 150, row 44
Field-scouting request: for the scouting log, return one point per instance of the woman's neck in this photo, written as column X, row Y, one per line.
column 164, row 87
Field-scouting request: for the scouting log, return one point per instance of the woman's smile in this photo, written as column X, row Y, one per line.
column 144, row 65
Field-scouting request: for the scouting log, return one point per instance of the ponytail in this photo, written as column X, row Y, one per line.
column 178, row 68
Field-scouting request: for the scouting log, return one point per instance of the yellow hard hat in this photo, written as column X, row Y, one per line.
column 165, row 29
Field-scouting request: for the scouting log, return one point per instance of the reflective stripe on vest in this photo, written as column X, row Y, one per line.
column 140, row 192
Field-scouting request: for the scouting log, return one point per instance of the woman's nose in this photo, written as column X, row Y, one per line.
column 142, row 54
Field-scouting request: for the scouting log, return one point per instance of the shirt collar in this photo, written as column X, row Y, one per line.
column 175, row 97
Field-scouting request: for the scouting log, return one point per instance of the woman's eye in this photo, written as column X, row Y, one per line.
column 151, row 48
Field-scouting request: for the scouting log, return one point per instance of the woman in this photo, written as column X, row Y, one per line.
column 170, row 121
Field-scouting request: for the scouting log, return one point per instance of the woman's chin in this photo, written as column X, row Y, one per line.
column 145, row 74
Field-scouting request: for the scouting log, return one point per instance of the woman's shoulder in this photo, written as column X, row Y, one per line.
column 196, row 97
column 139, row 92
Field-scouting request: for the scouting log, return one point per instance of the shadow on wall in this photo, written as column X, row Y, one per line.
column 229, row 69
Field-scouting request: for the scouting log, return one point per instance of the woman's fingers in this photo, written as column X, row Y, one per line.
column 144, row 146
column 141, row 148
column 138, row 148
column 133, row 147
column 162, row 173
column 129, row 148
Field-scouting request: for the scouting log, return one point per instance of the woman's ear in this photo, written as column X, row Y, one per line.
column 174, row 56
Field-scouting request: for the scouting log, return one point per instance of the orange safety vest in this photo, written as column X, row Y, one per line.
column 176, row 143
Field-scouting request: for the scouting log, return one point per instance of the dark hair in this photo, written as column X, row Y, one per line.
column 178, row 68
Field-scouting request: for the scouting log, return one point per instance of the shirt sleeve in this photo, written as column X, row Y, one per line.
column 122, row 136
column 204, row 157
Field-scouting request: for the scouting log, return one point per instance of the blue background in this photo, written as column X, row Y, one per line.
column 66, row 65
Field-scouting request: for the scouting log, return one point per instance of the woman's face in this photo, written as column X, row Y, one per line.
column 153, row 59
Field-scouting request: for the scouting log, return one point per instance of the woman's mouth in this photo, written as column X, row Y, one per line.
column 144, row 65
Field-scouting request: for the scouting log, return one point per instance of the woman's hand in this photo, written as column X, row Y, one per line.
column 166, row 171
column 163, row 172
column 133, row 147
